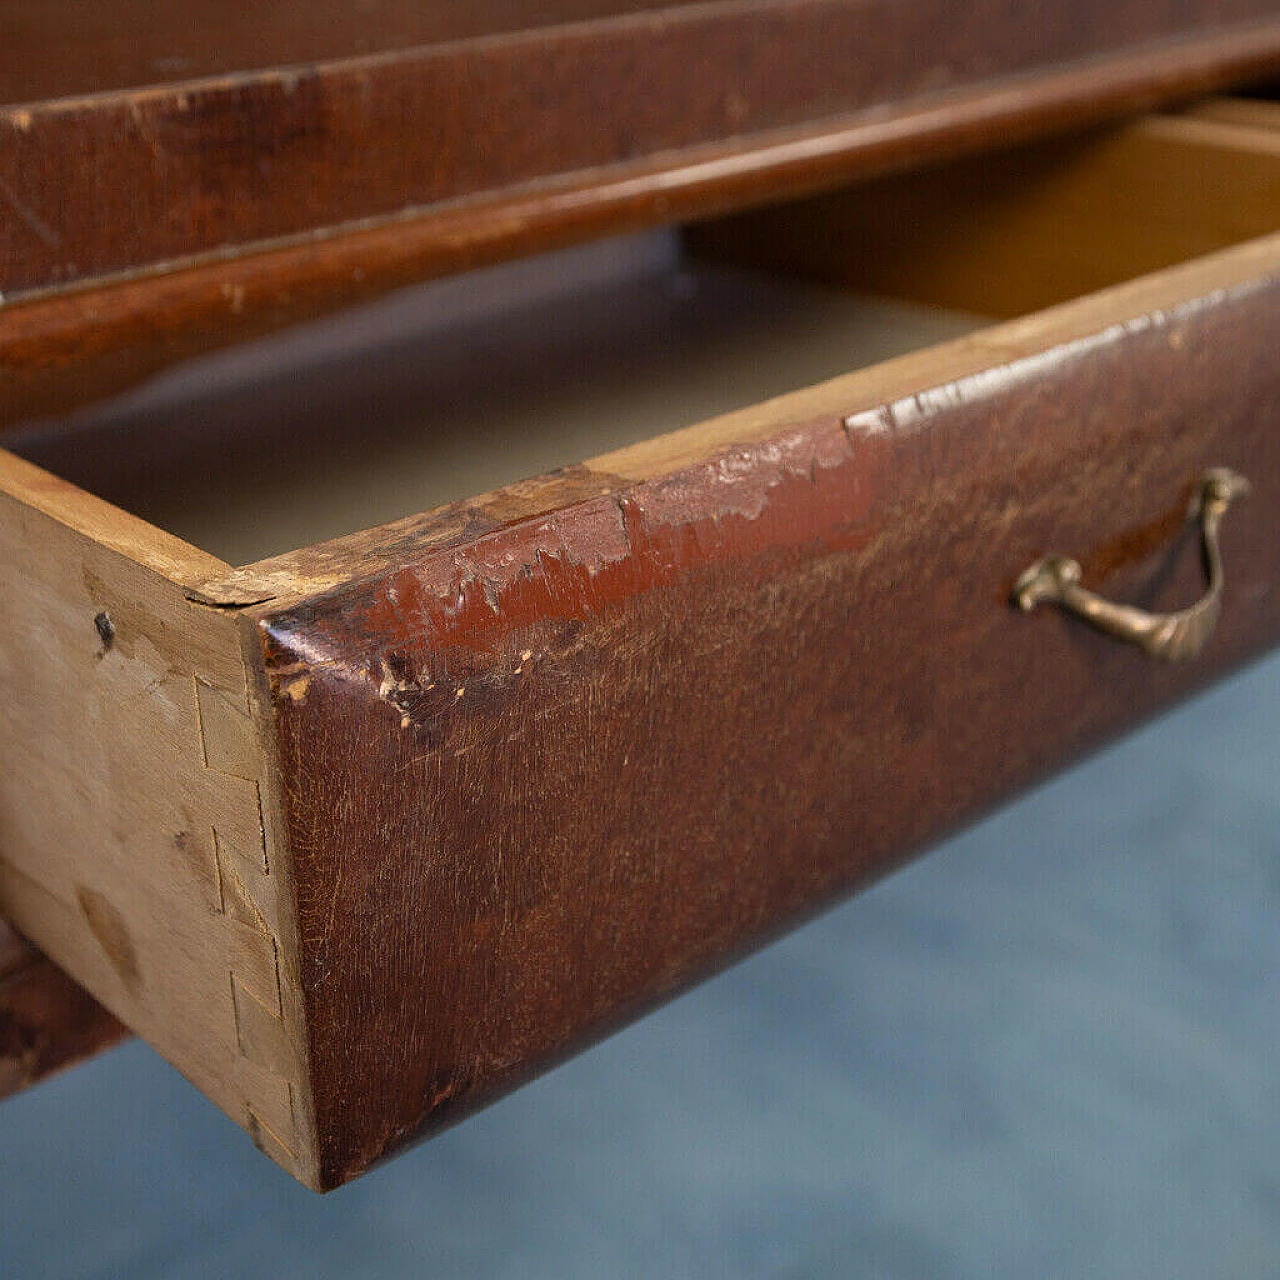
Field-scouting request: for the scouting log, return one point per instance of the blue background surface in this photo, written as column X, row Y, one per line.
column 1052, row 1048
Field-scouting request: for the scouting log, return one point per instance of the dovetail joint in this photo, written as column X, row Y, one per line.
column 242, row 870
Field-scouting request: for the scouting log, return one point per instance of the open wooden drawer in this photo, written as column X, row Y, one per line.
column 360, row 835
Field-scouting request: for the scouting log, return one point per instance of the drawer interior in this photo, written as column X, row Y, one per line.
column 460, row 386
column 464, row 385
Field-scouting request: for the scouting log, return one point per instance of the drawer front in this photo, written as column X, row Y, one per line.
column 235, row 205
column 563, row 130
column 537, row 776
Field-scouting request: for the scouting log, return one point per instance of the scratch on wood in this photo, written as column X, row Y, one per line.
column 30, row 219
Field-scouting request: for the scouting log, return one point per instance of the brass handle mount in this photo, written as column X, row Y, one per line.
column 1055, row 579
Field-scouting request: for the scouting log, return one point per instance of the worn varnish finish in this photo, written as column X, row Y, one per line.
column 47, row 1022
column 485, row 748
column 115, row 160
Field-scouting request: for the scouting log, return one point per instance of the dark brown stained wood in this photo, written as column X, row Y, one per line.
column 442, row 801
column 71, row 347
column 309, row 132
column 62, row 349
column 47, row 1022
column 72, row 50
column 537, row 778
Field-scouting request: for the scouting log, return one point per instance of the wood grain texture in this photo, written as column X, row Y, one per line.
column 134, row 835
column 47, row 1022
column 63, row 347
column 187, row 166
column 75, row 50
column 1253, row 113
column 486, row 746
column 1016, row 231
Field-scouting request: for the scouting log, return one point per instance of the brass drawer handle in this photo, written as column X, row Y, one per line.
column 1055, row 579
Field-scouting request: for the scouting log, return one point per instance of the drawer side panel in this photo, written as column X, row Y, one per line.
column 133, row 846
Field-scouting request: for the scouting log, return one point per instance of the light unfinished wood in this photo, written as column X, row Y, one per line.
column 136, row 842
column 1013, row 232
column 1251, row 113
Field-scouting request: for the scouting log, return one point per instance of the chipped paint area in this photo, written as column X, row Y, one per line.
column 805, row 486
column 428, row 697
column 916, row 412
column 296, row 688
column 440, row 634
